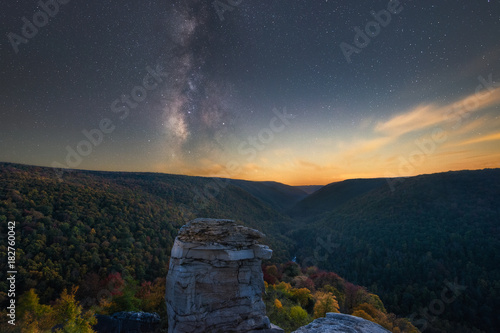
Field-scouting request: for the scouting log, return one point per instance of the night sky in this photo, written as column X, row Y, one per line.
column 297, row 91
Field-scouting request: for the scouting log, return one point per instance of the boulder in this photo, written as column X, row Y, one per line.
column 215, row 281
column 128, row 322
column 338, row 322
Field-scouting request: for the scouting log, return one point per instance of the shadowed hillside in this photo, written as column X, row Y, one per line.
column 407, row 244
column 309, row 189
column 278, row 196
column 333, row 195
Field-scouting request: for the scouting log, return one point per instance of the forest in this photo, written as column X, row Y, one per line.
column 294, row 297
column 410, row 244
column 434, row 235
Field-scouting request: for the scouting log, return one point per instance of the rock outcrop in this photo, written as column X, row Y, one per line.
column 215, row 281
column 128, row 322
column 338, row 322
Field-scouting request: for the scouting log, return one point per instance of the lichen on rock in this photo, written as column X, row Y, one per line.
column 223, row 232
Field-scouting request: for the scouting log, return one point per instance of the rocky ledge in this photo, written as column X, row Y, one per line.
column 215, row 281
column 341, row 323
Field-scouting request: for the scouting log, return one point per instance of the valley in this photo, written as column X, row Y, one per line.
column 434, row 241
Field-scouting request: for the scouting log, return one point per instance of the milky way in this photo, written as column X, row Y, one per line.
column 194, row 100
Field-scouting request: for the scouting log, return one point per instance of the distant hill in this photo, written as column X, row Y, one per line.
column 309, row 189
column 331, row 196
column 278, row 196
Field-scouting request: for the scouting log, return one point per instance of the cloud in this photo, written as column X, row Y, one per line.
column 379, row 146
column 309, row 165
column 418, row 118
column 482, row 138
column 369, row 145
column 479, row 130
column 425, row 116
column 376, row 147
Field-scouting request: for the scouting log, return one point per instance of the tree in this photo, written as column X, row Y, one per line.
column 302, row 295
column 35, row 317
column 152, row 295
column 299, row 316
column 302, row 281
column 290, row 270
column 66, row 313
column 271, row 274
column 126, row 300
column 363, row 314
column 69, row 313
column 325, row 302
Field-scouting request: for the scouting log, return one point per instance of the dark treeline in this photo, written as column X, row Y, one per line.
column 410, row 244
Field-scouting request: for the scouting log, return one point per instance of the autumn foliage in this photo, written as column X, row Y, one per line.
column 294, row 297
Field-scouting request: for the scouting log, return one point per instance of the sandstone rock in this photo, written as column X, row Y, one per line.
column 215, row 281
column 338, row 322
column 224, row 232
column 127, row 322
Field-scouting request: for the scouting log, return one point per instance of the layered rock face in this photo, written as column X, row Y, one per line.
column 341, row 323
column 215, row 281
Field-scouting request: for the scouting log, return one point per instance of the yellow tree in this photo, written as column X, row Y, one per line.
column 325, row 302
column 35, row 317
column 302, row 295
column 363, row 314
column 69, row 313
